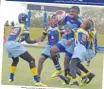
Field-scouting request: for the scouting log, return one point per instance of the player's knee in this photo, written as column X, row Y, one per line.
column 15, row 61
column 42, row 59
column 67, row 59
column 32, row 63
column 54, row 50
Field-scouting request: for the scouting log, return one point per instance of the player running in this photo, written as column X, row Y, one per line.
column 53, row 31
column 15, row 49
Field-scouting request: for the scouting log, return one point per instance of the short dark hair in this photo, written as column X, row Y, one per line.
column 54, row 15
column 91, row 24
column 76, row 8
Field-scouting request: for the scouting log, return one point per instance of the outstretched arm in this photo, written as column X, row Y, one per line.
column 28, row 40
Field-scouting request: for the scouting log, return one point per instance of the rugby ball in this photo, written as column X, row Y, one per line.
column 60, row 15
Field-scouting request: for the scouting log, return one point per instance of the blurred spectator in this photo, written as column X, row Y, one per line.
column 4, row 37
column 12, row 23
column 7, row 23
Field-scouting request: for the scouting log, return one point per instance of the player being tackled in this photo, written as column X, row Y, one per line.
column 86, row 54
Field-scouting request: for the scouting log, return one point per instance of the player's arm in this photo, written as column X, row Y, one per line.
column 67, row 31
column 27, row 36
column 93, row 38
column 43, row 36
column 28, row 40
column 45, row 31
column 61, row 30
column 69, row 42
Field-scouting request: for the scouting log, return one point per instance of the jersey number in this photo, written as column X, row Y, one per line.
column 14, row 31
column 84, row 37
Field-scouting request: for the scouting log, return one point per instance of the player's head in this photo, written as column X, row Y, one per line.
column 54, row 19
column 92, row 31
column 74, row 11
column 87, row 24
column 22, row 18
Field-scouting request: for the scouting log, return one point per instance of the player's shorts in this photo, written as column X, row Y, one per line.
column 14, row 49
column 64, row 48
column 63, row 42
column 70, row 49
column 80, row 52
column 46, row 51
column 90, row 55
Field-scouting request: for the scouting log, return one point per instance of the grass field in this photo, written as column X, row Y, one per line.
column 24, row 77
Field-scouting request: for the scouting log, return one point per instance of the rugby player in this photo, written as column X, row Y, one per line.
column 15, row 49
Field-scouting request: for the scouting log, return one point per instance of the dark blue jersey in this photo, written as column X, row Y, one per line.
column 71, row 24
column 53, row 34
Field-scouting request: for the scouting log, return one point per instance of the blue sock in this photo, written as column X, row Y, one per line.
column 36, row 78
column 58, row 67
column 12, row 76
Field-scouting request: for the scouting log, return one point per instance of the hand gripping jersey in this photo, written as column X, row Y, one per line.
column 81, row 36
column 53, row 34
column 92, row 39
column 71, row 24
column 18, row 33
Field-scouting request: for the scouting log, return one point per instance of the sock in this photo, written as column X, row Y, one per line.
column 67, row 71
column 82, row 75
column 35, row 74
column 58, row 67
column 88, row 73
column 75, row 80
column 68, row 76
column 12, row 72
column 81, row 67
column 56, row 62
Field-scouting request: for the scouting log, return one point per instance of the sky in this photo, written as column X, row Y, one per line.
column 11, row 10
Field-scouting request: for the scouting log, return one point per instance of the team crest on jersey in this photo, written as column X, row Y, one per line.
column 52, row 38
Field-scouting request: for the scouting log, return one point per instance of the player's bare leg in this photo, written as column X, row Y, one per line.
column 54, row 51
column 40, row 64
column 66, row 65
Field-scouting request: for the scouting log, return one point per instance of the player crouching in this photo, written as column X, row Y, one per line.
column 15, row 49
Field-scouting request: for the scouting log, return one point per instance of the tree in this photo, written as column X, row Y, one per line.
column 96, row 14
column 37, row 18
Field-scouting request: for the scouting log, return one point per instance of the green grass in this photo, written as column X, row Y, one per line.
column 24, row 77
